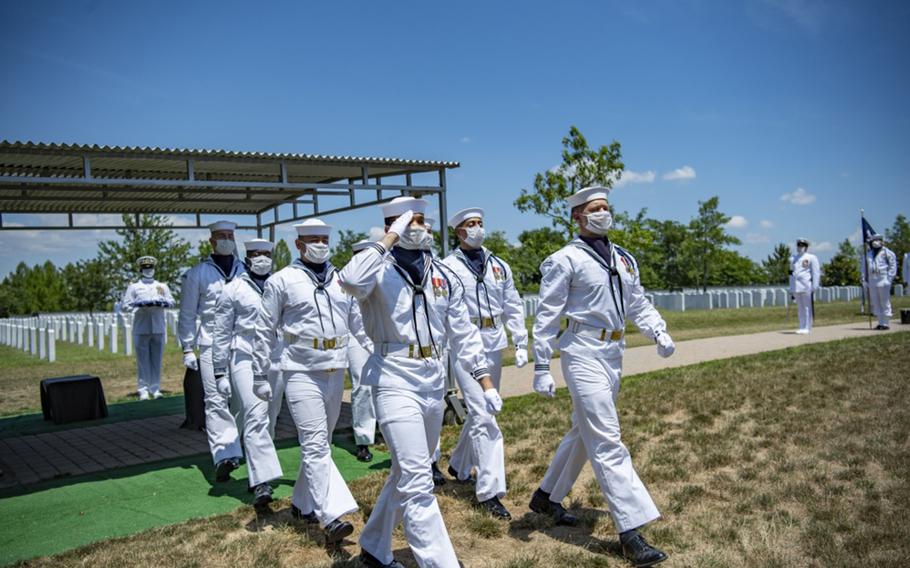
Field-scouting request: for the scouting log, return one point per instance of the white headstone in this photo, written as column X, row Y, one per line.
column 51, row 345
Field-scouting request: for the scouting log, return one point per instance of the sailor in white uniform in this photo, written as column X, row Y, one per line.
column 199, row 293
column 878, row 271
column 147, row 299
column 494, row 306
column 362, row 408
column 595, row 284
column 805, row 280
column 305, row 304
column 233, row 339
column 413, row 307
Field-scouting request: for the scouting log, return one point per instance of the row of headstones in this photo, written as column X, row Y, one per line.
column 39, row 335
column 733, row 298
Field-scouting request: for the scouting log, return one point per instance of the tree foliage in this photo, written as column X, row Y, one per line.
column 281, row 255
column 843, row 268
column 581, row 167
column 341, row 252
column 777, row 265
column 898, row 240
column 707, row 239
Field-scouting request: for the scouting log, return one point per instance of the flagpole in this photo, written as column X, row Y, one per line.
column 862, row 226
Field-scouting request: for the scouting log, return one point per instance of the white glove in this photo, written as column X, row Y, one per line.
column 521, row 357
column 665, row 345
column 223, row 384
column 400, row 225
column 261, row 388
column 190, row 361
column 493, row 400
column 544, row 384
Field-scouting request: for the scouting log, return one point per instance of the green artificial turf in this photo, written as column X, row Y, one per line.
column 56, row 516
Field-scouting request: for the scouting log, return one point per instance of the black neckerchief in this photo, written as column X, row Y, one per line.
column 225, row 262
column 319, row 269
column 607, row 265
column 476, row 259
column 320, row 284
column 476, row 262
column 414, row 267
column 412, row 261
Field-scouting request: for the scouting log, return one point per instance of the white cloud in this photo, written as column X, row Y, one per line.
column 756, row 238
column 630, row 176
column 738, row 222
column 465, row 140
column 683, row 173
column 856, row 236
column 824, row 246
column 765, row 224
column 799, row 196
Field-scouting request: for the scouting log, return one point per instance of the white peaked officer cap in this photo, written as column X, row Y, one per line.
column 400, row 205
column 312, row 227
column 802, row 242
column 222, row 226
column 147, row 261
column 464, row 215
column 877, row 237
column 256, row 245
column 587, row 194
column 360, row 245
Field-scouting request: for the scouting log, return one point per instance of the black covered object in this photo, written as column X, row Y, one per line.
column 905, row 315
column 194, row 401
column 73, row 399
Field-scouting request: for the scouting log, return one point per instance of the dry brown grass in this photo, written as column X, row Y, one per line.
column 791, row 458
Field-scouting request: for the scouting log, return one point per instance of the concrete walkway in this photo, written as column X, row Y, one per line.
column 643, row 359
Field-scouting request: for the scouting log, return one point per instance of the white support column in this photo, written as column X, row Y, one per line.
column 127, row 338
column 51, row 346
column 42, row 343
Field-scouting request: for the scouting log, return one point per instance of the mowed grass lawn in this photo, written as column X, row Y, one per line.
column 789, row 458
column 20, row 373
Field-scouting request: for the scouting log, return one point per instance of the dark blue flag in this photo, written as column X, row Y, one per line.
column 868, row 231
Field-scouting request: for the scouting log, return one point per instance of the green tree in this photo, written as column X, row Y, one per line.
column 536, row 245
column 497, row 243
column 898, row 240
column 777, row 265
column 281, row 255
column 843, row 268
column 32, row 289
column 581, row 167
column 733, row 269
column 154, row 238
column 706, row 241
column 89, row 286
column 670, row 238
column 636, row 235
column 341, row 252
column 203, row 251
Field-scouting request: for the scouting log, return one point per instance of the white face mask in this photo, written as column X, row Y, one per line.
column 415, row 238
column 224, row 246
column 317, row 253
column 261, row 265
column 474, row 236
column 801, row 250
column 599, row 222
column 148, row 272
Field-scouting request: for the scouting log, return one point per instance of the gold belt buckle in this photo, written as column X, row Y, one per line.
column 329, row 343
column 603, row 334
column 616, row 335
column 426, row 352
column 487, row 322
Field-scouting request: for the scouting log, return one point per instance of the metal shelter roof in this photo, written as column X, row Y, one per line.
column 276, row 188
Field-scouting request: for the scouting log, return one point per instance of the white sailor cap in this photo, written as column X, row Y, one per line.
column 587, row 194
column 429, row 222
column 222, row 226
column 256, row 245
column 877, row 237
column 400, row 205
column 360, row 245
column 147, row 261
column 464, row 215
column 313, row 227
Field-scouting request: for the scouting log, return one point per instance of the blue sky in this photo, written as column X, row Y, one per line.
column 795, row 113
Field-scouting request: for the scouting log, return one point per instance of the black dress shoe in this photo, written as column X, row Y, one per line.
column 310, row 517
column 641, row 554
column 886, row 327
column 337, row 530
column 470, row 480
column 371, row 561
column 540, row 503
column 262, row 495
column 224, row 468
column 495, row 507
column 364, row 454
column 438, row 477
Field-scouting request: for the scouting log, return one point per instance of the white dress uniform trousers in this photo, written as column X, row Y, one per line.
column 578, row 284
column 362, row 407
column 314, row 319
column 879, row 271
column 805, row 280
column 202, row 286
column 149, row 330
column 411, row 325
column 233, row 336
